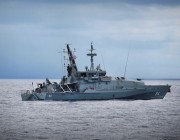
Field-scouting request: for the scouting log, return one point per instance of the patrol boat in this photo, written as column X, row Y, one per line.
column 93, row 84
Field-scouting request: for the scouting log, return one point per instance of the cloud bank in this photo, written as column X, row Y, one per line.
column 33, row 32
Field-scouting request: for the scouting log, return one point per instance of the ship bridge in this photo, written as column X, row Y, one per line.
column 90, row 74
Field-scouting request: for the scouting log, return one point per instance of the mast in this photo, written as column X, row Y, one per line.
column 126, row 62
column 91, row 54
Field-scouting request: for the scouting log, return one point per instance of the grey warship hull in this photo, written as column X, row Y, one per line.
column 150, row 92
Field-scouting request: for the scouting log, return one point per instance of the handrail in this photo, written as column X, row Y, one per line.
column 62, row 88
column 69, row 88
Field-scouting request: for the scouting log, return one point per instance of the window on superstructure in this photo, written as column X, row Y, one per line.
column 102, row 74
column 83, row 74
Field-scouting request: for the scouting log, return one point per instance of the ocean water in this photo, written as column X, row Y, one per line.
column 88, row 120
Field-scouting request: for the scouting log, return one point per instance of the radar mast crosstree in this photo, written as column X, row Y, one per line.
column 91, row 54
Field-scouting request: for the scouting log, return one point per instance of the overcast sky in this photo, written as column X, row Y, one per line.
column 32, row 32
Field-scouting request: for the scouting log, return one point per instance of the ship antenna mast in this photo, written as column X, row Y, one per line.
column 126, row 62
column 91, row 54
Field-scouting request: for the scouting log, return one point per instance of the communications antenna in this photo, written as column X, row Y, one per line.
column 126, row 62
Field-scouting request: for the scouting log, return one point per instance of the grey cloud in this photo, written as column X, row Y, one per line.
column 134, row 2
column 43, row 26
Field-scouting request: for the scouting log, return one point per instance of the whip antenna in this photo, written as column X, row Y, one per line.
column 126, row 62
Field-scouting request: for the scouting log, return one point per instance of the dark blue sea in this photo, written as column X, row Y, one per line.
column 88, row 120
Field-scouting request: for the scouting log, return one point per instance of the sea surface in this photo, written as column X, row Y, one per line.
column 88, row 120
